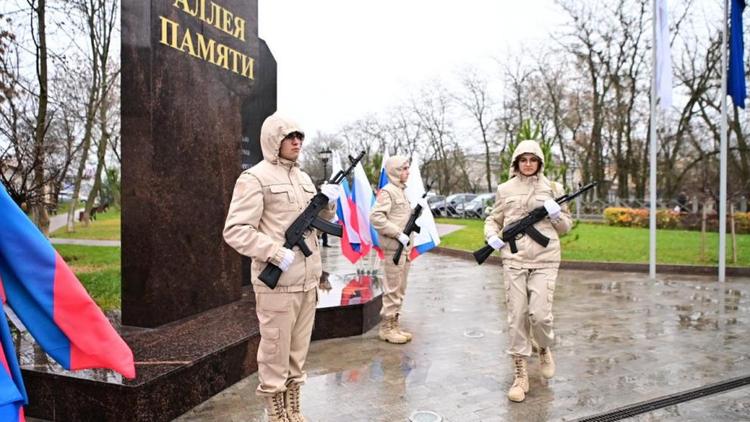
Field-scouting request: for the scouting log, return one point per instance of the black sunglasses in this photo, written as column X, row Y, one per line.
column 298, row 135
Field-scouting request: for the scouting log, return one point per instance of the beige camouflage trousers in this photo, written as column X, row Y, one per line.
column 394, row 285
column 286, row 322
column 529, row 294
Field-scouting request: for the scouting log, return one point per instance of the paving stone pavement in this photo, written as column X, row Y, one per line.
column 620, row 339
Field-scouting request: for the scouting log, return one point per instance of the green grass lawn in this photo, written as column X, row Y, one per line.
column 105, row 227
column 98, row 269
column 598, row 242
column 63, row 207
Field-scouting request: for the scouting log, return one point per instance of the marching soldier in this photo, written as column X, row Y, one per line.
column 529, row 275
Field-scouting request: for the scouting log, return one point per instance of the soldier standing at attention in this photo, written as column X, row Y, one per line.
column 389, row 216
column 267, row 198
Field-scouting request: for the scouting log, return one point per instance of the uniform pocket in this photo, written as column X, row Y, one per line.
column 400, row 207
column 512, row 207
column 539, row 200
column 280, row 198
column 269, row 341
column 508, row 304
column 309, row 191
column 550, row 292
column 272, row 303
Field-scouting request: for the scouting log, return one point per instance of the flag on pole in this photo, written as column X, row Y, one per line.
column 428, row 236
column 736, row 87
column 364, row 198
column 663, row 57
column 12, row 391
column 51, row 302
column 350, row 243
column 383, row 179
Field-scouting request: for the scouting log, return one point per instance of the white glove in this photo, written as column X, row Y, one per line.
column 496, row 243
column 331, row 191
column 553, row 208
column 404, row 239
column 287, row 260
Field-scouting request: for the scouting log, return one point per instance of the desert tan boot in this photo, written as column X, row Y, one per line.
column 388, row 332
column 401, row 330
column 275, row 408
column 292, row 401
column 520, row 385
column 548, row 364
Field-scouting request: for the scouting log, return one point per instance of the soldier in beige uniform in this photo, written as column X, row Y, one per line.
column 529, row 275
column 267, row 198
column 389, row 216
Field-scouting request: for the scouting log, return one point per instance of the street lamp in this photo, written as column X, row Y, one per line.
column 325, row 155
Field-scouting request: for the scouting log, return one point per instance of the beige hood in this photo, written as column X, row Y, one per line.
column 393, row 167
column 527, row 147
column 275, row 128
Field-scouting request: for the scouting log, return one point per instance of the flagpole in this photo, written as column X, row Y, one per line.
column 652, row 145
column 723, row 152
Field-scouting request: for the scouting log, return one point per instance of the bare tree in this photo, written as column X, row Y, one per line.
column 38, row 206
column 476, row 101
column 100, row 20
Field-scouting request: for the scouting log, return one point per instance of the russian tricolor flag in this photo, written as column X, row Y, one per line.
column 51, row 302
column 363, row 199
column 347, row 217
column 383, row 179
column 428, row 236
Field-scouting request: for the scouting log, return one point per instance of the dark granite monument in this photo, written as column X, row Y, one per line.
column 189, row 71
column 197, row 83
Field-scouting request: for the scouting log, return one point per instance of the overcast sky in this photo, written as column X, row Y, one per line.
column 339, row 60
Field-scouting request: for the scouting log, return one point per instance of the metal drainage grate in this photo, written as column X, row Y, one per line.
column 666, row 401
column 425, row 416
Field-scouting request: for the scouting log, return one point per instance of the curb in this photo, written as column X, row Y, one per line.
column 610, row 266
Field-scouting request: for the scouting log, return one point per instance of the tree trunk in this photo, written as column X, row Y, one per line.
column 91, row 107
column 39, row 206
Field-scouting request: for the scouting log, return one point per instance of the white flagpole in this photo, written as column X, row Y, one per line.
column 652, row 176
column 723, row 152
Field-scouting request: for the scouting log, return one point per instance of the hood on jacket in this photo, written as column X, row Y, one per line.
column 275, row 128
column 527, row 147
column 393, row 166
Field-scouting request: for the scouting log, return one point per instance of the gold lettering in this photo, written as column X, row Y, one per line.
column 183, row 4
column 239, row 28
column 206, row 50
column 203, row 10
column 247, row 67
column 226, row 22
column 236, row 55
column 187, row 41
column 221, row 52
column 168, row 32
column 215, row 15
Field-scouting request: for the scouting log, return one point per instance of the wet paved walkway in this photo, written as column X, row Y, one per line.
column 621, row 339
column 60, row 221
column 84, row 242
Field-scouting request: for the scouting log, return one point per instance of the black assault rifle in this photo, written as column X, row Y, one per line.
column 411, row 227
column 518, row 228
column 309, row 219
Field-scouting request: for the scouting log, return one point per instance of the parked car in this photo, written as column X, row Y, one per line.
column 477, row 206
column 437, row 205
column 455, row 202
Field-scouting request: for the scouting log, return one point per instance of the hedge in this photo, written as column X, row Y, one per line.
column 668, row 219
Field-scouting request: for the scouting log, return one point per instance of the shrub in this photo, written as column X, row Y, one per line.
column 668, row 219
